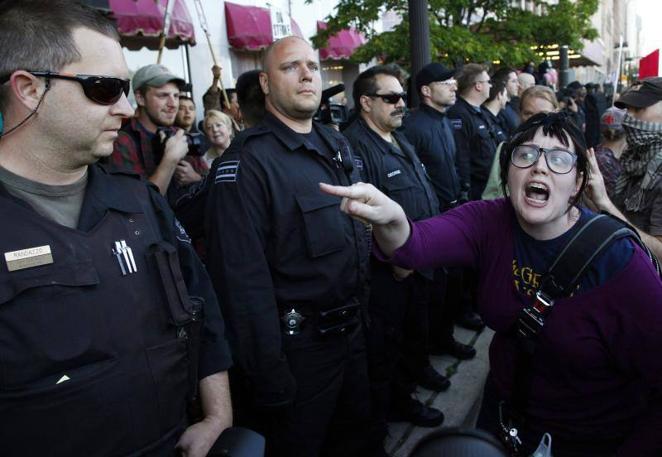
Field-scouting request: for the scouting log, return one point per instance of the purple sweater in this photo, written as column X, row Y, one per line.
column 599, row 370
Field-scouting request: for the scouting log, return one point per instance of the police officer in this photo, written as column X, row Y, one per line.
column 429, row 131
column 475, row 145
column 291, row 269
column 397, row 346
column 492, row 109
column 98, row 330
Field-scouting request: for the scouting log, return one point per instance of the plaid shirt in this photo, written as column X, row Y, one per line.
column 133, row 150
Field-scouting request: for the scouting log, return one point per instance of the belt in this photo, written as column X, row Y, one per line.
column 329, row 320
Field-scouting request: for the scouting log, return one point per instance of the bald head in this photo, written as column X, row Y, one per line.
column 277, row 46
column 526, row 80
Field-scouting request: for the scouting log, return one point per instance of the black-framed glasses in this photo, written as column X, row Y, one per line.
column 104, row 90
column 560, row 161
column 391, row 99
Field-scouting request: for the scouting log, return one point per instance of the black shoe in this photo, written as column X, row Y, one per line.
column 455, row 349
column 433, row 380
column 471, row 321
column 419, row 414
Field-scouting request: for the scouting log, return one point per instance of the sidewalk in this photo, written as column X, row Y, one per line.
column 460, row 403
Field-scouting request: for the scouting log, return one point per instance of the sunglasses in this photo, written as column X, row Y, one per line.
column 103, row 90
column 560, row 161
column 391, row 99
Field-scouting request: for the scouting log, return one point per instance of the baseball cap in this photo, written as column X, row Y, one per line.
column 612, row 118
column 433, row 72
column 155, row 75
column 642, row 95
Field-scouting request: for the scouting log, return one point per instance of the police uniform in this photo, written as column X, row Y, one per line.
column 475, row 146
column 398, row 309
column 290, row 269
column 96, row 325
column 495, row 124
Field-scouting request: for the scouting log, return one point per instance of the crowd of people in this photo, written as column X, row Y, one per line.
column 262, row 269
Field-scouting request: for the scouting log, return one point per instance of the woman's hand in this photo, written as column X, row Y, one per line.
column 367, row 204
column 595, row 186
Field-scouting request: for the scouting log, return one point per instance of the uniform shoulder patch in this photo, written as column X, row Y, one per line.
column 227, row 171
column 358, row 163
column 456, row 123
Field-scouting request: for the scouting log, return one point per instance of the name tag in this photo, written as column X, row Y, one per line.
column 28, row 258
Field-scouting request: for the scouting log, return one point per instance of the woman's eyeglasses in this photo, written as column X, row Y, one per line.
column 103, row 90
column 391, row 99
column 560, row 161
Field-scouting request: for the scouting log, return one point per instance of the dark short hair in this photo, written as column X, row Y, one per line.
column 250, row 96
column 37, row 34
column 366, row 82
column 186, row 97
column 467, row 75
column 556, row 125
column 498, row 86
column 502, row 74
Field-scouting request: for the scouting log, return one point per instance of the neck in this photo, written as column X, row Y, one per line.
column 385, row 134
column 146, row 122
column 40, row 161
column 548, row 231
column 298, row 125
column 617, row 147
column 441, row 109
column 473, row 98
column 494, row 107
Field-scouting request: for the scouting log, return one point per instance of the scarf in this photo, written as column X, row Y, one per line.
column 641, row 161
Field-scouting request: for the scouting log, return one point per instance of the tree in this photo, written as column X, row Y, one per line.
column 467, row 30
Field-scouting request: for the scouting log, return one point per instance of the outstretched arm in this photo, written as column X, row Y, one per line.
column 367, row 204
column 597, row 193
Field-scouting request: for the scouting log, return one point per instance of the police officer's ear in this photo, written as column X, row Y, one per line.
column 366, row 103
column 27, row 88
column 426, row 91
column 264, row 82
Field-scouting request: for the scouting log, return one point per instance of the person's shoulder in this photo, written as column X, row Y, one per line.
column 126, row 178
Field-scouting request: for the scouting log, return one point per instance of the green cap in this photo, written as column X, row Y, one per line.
column 155, row 75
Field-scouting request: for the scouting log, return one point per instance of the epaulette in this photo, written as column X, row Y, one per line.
column 128, row 174
column 242, row 137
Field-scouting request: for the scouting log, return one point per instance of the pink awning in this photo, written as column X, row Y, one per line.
column 249, row 27
column 341, row 45
column 140, row 22
column 650, row 65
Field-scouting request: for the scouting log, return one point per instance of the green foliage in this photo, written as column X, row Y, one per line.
column 467, row 30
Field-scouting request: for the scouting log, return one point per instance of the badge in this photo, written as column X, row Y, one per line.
column 28, row 258
column 292, row 320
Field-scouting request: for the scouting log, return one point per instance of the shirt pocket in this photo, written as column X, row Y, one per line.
column 323, row 225
column 45, row 320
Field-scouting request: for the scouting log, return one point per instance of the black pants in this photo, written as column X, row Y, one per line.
column 331, row 413
column 397, row 340
column 442, row 309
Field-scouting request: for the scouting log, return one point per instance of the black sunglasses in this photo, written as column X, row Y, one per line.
column 103, row 90
column 391, row 99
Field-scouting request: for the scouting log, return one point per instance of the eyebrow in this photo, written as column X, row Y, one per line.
column 297, row 62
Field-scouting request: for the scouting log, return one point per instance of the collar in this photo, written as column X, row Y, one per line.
column 103, row 191
column 469, row 106
column 293, row 140
column 431, row 111
column 384, row 146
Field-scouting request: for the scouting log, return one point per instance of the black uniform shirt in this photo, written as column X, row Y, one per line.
column 430, row 133
column 475, row 146
column 497, row 131
column 277, row 242
column 509, row 117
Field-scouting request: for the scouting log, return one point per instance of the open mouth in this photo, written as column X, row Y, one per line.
column 537, row 191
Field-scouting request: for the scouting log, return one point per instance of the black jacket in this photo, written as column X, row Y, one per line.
column 276, row 242
column 475, row 146
column 430, row 133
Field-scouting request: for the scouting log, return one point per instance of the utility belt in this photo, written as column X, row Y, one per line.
column 186, row 313
column 335, row 319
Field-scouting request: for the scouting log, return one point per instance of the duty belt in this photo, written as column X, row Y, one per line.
column 328, row 321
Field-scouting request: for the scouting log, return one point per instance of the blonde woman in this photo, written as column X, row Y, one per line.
column 218, row 128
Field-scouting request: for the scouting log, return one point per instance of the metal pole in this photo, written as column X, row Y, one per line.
column 618, row 69
column 188, row 67
column 419, row 32
column 564, row 64
column 170, row 5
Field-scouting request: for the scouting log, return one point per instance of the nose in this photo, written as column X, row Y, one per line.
column 122, row 108
column 540, row 166
column 401, row 103
column 306, row 73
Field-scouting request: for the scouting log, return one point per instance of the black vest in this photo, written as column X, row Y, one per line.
column 90, row 360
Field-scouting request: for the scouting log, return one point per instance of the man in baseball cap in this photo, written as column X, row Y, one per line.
column 138, row 147
column 638, row 189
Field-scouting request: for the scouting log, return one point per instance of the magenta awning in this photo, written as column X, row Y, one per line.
column 342, row 44
column 140, row 23
column 249, row 27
